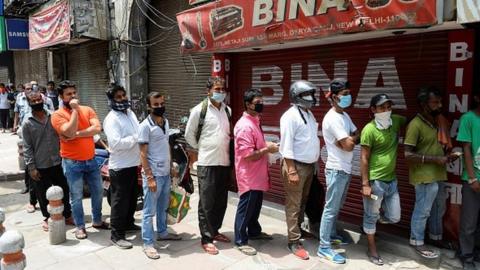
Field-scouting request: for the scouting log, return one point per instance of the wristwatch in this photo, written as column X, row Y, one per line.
column 472, row 180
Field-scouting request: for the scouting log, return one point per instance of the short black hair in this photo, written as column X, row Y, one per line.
column 113, row 89
column 2, row 85
column 213, row 80
column 153, row 94
column 51, row 83
column 64, row 85
column 424, row 94
column 475, row 93
column 250, row 94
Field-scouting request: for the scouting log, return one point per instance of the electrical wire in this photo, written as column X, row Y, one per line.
column 152, row 20
column 158, row 13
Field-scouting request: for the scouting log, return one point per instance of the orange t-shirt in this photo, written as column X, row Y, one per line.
column 79, row 148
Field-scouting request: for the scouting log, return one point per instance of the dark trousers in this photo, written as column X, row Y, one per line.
column 30, row 187
column 52, row 176
column 213, row 189
column 124, row 191
column 246, row 219
column 4, row 117
column 469, row 224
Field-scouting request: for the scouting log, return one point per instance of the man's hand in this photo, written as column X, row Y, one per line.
column 65, row 138
column 35, row 174
column 366, row 191
column 441, row 160
column 475, row 186
column 272, row 147
column 453, row 156
column 74, row 104
column 152, row 184
column 293, row 178
column 174, row 171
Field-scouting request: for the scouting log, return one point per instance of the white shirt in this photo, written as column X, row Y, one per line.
column 214, row 143
column 4, row 102
column 122, row 135
column 335, row 127
column 299, row 141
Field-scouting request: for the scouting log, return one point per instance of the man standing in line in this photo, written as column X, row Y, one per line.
column 427, row 161
column 52, row 94
column 251, row 168
column 379, row 142
column 76, row 125
column 300, row 149
column 121, row 127
column 42, row 156
column 341, row 136
column 208, row 130
column 156, row 163
column 468, row 133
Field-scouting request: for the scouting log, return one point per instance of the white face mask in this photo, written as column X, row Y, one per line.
column 308, row 98
column 383, row 120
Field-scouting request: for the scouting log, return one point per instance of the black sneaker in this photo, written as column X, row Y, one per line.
column 122, row 244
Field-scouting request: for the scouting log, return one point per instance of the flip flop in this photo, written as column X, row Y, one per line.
column 425, row 253
column 210, row 248
column 247, row 250
column 45, row 226
column 80, row 234
column 377, row 260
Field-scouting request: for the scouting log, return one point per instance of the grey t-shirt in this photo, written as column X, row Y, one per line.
column 158, row 148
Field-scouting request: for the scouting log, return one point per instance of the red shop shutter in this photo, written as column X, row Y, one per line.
column 396, row 65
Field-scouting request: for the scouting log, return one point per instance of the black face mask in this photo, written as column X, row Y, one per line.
column 37, row 107
column 258, row 107
column 159, row 111
column 434, row 113
column 120, row 106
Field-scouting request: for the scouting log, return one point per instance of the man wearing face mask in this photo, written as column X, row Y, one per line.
column 121, row 127
column 41, row 151
column 156, row 164
column 379, row 142
column 341, row 136
column 427, row 157
column 251, row 168
column 300, row 149
column 208, row 130
column 76, row 125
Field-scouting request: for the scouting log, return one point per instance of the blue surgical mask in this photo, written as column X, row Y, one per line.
column 345, row 101
column 218, row 97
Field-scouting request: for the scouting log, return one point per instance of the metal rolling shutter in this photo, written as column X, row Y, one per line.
column 30, row 66
column 4, row 75
column 419, row 59
column 181, row 78
column 87, row 67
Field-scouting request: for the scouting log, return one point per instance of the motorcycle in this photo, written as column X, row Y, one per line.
column 180, row 158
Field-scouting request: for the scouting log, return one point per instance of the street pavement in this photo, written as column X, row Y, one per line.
column 96, row 252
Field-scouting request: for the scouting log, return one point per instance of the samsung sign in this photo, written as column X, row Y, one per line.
column 17, row 34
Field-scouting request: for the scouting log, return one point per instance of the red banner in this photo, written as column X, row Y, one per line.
column 50, row 26
column 230, row 24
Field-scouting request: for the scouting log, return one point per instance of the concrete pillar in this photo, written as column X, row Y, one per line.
column 11, row 247
column 56, row 222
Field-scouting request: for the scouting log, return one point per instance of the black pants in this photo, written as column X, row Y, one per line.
column 213, row 189
column 469, row 221
column 52, row 176
column 4, row 117
column 30, row 187
column 124, row 191
column 246, row 219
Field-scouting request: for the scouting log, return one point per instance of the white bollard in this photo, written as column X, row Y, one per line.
column 11, row 247
column 56, row 222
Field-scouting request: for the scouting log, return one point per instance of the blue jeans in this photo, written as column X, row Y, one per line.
column 76, row 173
column 430, row 204
column 155, row 203
column 337, row 187
column 388, row 200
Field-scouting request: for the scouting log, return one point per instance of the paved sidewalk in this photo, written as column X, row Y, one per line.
column 96, row 252
column 9, row 157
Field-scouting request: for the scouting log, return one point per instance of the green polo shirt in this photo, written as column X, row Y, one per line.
column 423, row 136
column 383, row 148
column 469, row 131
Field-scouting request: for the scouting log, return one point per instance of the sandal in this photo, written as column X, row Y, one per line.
column 45, row 225
column 103, row 226
column 81, row 234
column 210, row 248
column 425, row 253
column 377, row 260
column 222, row 238
column 247, row 250
column 151, row 253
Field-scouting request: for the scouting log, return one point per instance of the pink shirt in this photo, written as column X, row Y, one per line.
column 251, row 175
